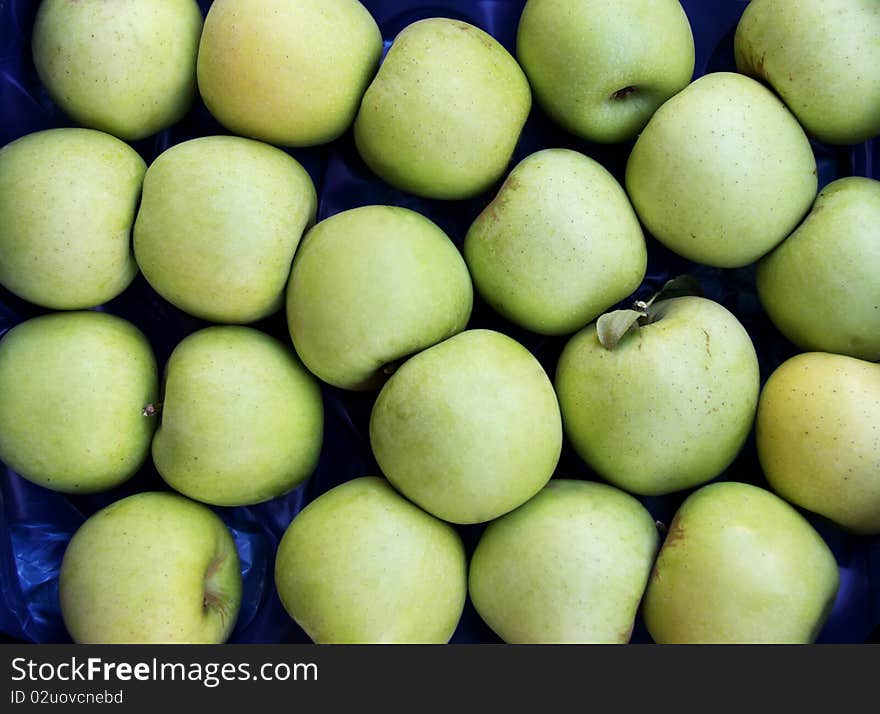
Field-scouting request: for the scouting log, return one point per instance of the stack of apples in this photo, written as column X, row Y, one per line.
column 656, row 396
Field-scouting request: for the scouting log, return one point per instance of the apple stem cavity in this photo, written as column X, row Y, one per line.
column 153, row 409
column 612, row 326
column 623, row 93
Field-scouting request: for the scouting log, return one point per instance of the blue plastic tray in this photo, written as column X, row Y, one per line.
column 35, row 524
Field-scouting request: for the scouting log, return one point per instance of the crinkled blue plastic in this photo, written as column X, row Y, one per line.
column 36, row 524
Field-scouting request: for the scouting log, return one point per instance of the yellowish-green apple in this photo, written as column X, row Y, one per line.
column 469, row 429
column 821, row 286
column 370, row 286
column 558, row 245
column 445, row 111
column 241, row 419
column 362, row 565
column 68, row 199
column 600, row 69
column 670, row 405
column 219, row 222
column 822, row 57
column 740, row 566
column 127, row 67
column 723, row 172
column 818, row 437
column 73, row 388
column 289, row 72
column 153, row 568
column 568, row 566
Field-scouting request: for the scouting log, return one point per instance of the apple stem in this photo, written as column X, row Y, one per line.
column 661, row 528
column 152, row 409
column 645, row 309
column 391, row 367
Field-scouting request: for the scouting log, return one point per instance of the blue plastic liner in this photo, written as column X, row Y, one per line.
column 36, row 524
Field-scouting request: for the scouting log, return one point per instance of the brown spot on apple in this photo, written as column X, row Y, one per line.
column 501, row 198
column 676, row 533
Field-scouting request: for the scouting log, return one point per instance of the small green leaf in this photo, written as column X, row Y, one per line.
column 612, row 326
column 681, row 286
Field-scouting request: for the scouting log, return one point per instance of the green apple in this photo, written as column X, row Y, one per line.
column 723, row 172
column 820, row 286
column 127, row 67
column 73, row 389
column 601, row 69
column 371, row 286
column 670, row 405
column 68, row 199
column 242, row 419
column 818, row 437
column 219, row 222
column 822, row 58
column 739, row 566
column 362, row 565
column 289, row 73
column 445, row 111
column 568, row 566
column 153, row 568
column 559, row 244
column 469, row 429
